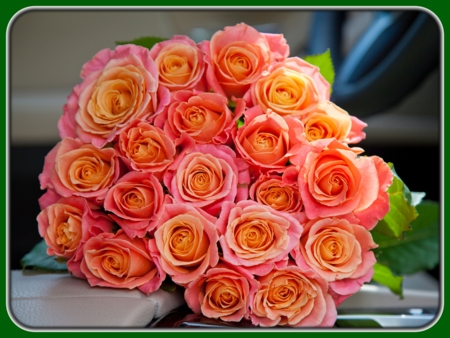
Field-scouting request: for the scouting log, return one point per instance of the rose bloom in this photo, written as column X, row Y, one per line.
column 223, row 292
column 238, row 55
column 290, row 88
column 118, row 86
column 203, row 116
column 208, row 176
column 292, row 297
column 327, row 120
column 256, row 236
column 335, row 181
column 136, row 201
column 186, row 239
column 267, row 141
column 146, row 148
column 180, row 64
column 277, row 192
column 117, row 261
column 73, row 168
column 68, row 222
column 338, row 250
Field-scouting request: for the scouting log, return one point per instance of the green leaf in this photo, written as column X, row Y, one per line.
column 383, row 275
column 240, row 122
column 231, row 104
column 418, row 250
column 402, row 211
column 325, row 64
column 146, row 41
column 37, row 259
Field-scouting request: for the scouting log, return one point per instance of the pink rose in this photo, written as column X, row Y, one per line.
column 222, row 292
column 136, row 202
column 146, row 148
column 335, row 181
column 338, row 250
column 292, row 297
column 290, row 88
column 267, row 141
column 180, row 64
column 256, row 236
column 186, row 238
column 208, row 176
column 238, row 55
column 326, row 120
column 203, row 116
column 117, row 261
column 118, row 86
column 73, row 168
column 69, row 222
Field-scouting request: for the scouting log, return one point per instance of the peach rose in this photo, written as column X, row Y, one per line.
column 136, row 201
column 290, row 88
column 267, row 141
column 180, row 64
column 208, row 176
column 186, row 238
column 238, row 55
column 278, row 193
column 292, row 297
column 65, row 224
column 335, row 181
column 73, row 168
column 338, row 250
column 117, row 261
column 222, row 292
column 118, row 86
column 146, row 148
column 256, row 236
column 203, row 116
column 327, row 120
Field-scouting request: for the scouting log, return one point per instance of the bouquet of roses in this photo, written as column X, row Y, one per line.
column 222, row 167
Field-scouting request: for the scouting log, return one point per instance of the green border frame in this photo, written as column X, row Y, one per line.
column 8, row 12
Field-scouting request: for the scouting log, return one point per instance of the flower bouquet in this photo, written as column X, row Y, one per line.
column 223, row 168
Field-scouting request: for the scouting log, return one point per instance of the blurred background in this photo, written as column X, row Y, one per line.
column 387, row 73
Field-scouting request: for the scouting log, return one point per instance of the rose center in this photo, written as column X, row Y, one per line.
column 64, row 235
column 265, row 141
column 194, row 116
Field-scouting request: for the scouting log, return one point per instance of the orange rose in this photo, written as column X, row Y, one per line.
column 117, row 261
column 186, row 238
column 180, row 63
column 277, row 193
column 290, row 88
column 267, row 141
column 256, row 236
column 334, row 181
column 146, row 148
column 222, row 292
column 205, row 117
column 238, row 55
column 118, row 86
column 75, row 168
column 292, row 297
column 327, row 120
column 69, row 222
column 339, row 250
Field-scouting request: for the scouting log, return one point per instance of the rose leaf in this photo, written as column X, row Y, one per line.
column 146, row 41
column 325, row 64
column 418, row 250
column 402, row 209
column 384, row 276
column 37, row 259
